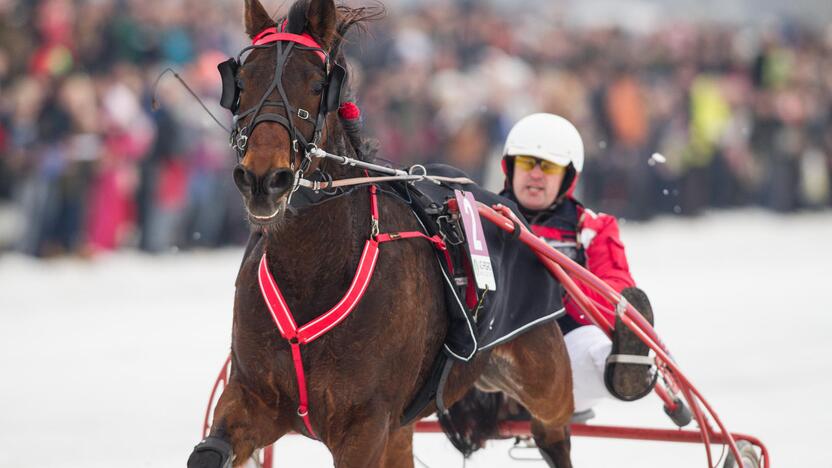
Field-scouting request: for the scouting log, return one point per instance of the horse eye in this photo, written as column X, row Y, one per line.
column 318, row 87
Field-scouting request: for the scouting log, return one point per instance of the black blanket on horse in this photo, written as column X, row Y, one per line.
column 526, row 296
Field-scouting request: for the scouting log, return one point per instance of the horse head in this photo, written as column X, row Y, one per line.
column 282, row 94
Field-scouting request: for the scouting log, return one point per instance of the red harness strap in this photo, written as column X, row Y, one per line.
column 297, row 336
column 394, row 236
column 435, row 240
column 270, row 35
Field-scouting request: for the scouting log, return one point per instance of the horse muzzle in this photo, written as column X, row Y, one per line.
column 264, row 195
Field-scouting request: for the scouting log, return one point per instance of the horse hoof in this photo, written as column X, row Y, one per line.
column 212, row 452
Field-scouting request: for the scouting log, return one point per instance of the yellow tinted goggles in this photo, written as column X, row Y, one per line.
column 527, row 163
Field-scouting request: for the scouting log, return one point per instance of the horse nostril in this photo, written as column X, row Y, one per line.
column 243, row 178
column 279, row 181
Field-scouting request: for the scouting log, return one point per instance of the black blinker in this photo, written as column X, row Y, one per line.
column 337, row 77
column 230, row 91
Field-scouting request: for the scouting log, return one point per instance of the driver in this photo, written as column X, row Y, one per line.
column 542, row 161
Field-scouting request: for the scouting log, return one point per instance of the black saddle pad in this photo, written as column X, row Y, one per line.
column 526, row 296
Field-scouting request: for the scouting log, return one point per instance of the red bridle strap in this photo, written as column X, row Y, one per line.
column 271, row 35
column 297, row 336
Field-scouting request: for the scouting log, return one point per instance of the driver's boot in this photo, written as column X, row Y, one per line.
column 630, row 372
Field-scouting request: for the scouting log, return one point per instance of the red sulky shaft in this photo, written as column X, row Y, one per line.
column 557, row 262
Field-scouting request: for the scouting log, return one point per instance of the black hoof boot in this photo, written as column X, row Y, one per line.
column 212, row 452
column 629, row 374
column 680, row 415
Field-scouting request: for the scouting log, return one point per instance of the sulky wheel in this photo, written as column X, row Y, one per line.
column 750, row 459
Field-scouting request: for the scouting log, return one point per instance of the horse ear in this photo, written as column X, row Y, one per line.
column 321, row 17
column 256, row 18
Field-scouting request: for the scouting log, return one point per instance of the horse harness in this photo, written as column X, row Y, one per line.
column 272, row 295
column 297, row 336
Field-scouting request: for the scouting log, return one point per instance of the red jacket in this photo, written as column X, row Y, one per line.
column 590, row 239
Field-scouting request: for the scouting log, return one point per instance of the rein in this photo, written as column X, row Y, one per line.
column 393, row 174
column 316, row 186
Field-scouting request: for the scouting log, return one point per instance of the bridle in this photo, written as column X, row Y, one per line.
column 302, row 150
column 244, row 122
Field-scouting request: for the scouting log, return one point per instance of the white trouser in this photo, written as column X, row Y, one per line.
column 588, row 349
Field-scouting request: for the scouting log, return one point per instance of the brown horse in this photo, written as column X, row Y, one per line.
column 362, row 374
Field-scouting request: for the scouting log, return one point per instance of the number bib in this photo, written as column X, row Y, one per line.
column 477, row 247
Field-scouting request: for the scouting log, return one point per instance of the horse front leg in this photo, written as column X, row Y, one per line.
column 242, row 424
column 398, row 452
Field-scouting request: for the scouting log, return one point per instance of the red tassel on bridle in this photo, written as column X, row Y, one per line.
column 349, row 111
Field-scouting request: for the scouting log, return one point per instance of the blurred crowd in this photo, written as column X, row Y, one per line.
column 678, row 119
column 86, row 163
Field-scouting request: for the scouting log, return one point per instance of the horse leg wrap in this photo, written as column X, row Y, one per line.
column 212, row 452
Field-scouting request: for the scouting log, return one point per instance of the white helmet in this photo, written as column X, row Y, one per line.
column 549, row 137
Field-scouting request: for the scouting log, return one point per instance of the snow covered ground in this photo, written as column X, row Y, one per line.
column 109, row 363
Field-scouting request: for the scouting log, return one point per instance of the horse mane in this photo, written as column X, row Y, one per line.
column 347, row 19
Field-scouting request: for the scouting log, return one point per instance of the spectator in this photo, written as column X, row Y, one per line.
column 736, row 116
